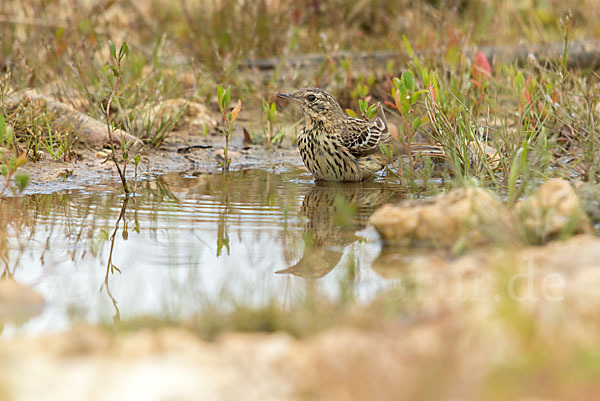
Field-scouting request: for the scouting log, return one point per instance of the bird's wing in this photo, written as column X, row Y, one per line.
column 362, row 137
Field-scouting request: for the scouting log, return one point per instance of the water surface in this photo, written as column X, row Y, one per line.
column 186, row 241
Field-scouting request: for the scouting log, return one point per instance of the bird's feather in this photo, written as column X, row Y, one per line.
column 362, row 137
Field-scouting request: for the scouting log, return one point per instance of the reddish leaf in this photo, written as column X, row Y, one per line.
column 481, row 69
column 392, row 105
column 483, row 64
column 432, row 92
column 397, row 100
column 526, row 90
column 477, row 84
column 236, row 110
column 393, row 130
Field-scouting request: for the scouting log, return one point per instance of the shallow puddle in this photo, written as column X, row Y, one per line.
column 184, row 242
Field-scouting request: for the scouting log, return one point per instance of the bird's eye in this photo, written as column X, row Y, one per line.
column 311, row 98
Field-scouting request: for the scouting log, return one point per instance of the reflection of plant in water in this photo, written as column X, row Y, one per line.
column 222, row 235
column 110, row 266
column 222, row 229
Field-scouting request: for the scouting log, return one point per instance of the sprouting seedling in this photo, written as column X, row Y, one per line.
column 229, row 117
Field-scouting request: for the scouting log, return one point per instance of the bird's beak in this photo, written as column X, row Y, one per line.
column 287, row 96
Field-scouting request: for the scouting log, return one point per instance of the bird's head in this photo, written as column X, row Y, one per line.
column 316, row 104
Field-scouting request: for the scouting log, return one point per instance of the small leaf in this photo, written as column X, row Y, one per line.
column 398, row 83
column 227, row 98
column 481, row 69
column 236, row 110
column 351, row 113
column 405, row 108
column 220, row 94
column 476, row 83
column 390, row 104
column 482, row 63
column 113, row 50
column 114, row 70
column 398, row 100
column 408, row 79
column 124, row 51
column 20, row 160
column 415, row 96
column 372, row 111
column 432, row 93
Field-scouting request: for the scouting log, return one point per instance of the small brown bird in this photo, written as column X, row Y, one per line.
column 335, row 146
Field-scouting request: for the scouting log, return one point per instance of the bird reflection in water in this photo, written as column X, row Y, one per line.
column 334, row 212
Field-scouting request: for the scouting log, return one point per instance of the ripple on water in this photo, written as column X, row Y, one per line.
column 185, row 241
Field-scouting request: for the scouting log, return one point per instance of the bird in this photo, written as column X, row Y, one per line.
column 335, row 146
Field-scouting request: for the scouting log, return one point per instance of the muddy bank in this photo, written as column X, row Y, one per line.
column 193, row 142
column 182, row 152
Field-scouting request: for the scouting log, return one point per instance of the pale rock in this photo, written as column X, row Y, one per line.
column 554, row 209
column 444, row 219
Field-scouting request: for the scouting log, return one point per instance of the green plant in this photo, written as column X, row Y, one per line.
column 10, row 164
column 229, row 117
column 116, row 68
column 270, row 112
column 157, row 126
